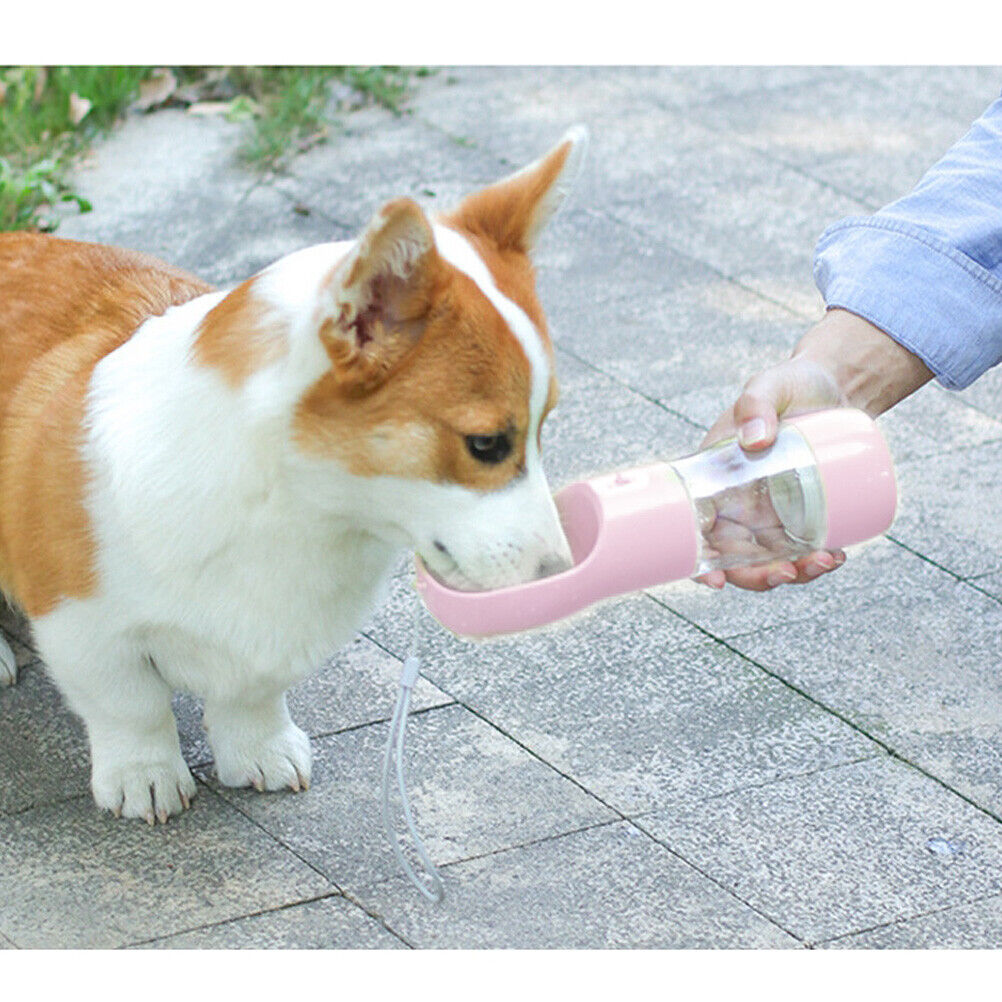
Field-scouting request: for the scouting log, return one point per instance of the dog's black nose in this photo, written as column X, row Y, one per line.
column 553, row 563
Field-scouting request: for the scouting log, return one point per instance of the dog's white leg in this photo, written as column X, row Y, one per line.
column 255, row 743
column 8, row 663
column 136, row 766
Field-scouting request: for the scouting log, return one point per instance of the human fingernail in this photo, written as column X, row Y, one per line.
column 779, row 577
column 751, row 432
column 839, row 558
column 822, row 562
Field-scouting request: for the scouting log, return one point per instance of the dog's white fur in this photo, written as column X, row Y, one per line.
column 196, row 489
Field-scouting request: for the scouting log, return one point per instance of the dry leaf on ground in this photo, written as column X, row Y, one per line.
column 155, row 89
column 79, row 106
column 209, row 108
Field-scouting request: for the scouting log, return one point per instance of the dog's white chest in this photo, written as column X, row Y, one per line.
column 263, row 614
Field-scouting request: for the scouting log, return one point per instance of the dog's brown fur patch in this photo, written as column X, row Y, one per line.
column 64, row 305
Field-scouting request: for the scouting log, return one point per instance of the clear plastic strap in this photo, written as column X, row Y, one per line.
column 431, row 888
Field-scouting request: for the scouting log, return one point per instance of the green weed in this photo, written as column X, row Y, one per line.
column 48, row 116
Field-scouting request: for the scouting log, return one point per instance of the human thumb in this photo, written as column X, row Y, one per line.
column 756, row 414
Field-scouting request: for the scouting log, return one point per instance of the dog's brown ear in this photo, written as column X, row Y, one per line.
column 513, row 212
column 381, row 294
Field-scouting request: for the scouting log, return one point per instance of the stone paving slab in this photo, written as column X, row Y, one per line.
column 977, row 926
column 600, row 424
column 43, row 748
column 934, row 421
column 720, row 202
column 986, row 393
column 990, row 583
column 943, row 90
column 626, row 703
column 839, row 850
column 472, row 791
column 638, row 322
column 189, row 161
column 348, row 178
column 71, row 877
column 918, row 671
column 225, row 249
column 332, row 923
column 608, row 887
column 898, row 573
column 874, row 139
column 944, row 509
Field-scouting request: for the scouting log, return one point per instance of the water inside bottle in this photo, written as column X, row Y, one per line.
column 755, row 509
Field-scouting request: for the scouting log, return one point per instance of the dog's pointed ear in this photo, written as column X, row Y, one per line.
column 513, row 212
column 380, row 295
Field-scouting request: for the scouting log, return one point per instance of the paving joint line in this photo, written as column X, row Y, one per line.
column 230, row 921
column 639, row 233
column 609, row 806
column 419, row 712
column 906, row 918
column 685, row 111
column 894, row 753
column 56, row 802
column 647, row 237
column 275, row 838
column 744, row 788
column 223, row 226
column 217, row 792
column 636, row 391
column 946, row 570
column 973, row 583
column 501, row 850
column 322, row 213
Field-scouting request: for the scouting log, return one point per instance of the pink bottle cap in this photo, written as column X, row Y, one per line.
column 856, row 471
column 627, row 530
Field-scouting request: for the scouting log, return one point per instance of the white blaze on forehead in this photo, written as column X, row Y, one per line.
column 458, row 251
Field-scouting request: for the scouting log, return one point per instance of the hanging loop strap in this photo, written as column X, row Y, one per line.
column 432, row 887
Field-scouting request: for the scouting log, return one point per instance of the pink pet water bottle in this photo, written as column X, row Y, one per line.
column 827, row 482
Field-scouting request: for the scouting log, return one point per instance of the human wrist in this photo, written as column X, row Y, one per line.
column 870, row 369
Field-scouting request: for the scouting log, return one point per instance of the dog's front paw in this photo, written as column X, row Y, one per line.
column 8, row 664
column 281, row 760
column 149, row 790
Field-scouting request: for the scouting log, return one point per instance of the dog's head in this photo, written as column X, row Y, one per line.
column 437, row 375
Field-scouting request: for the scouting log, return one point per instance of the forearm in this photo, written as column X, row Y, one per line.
column 927, row 269
column 871, row 370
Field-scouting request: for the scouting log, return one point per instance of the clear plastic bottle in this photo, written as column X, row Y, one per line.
column 752, row 508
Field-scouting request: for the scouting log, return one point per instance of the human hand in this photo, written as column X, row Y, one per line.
column 794, row 386
column 842, row 361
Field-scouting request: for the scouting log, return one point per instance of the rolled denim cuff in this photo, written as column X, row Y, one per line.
column 928, row 296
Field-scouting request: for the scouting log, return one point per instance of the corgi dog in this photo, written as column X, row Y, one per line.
column 208, row 490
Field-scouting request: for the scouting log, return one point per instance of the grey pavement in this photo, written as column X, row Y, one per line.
column 818, row 766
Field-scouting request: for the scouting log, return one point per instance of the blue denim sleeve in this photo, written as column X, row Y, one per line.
column 927, row 269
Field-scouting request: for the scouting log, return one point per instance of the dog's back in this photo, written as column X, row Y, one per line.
column 64, row 305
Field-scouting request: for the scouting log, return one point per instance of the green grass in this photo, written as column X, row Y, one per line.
column 284, row 108
column 292, row 101
column 38, row 138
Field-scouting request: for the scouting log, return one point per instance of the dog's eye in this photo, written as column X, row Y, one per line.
column 489, row 448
